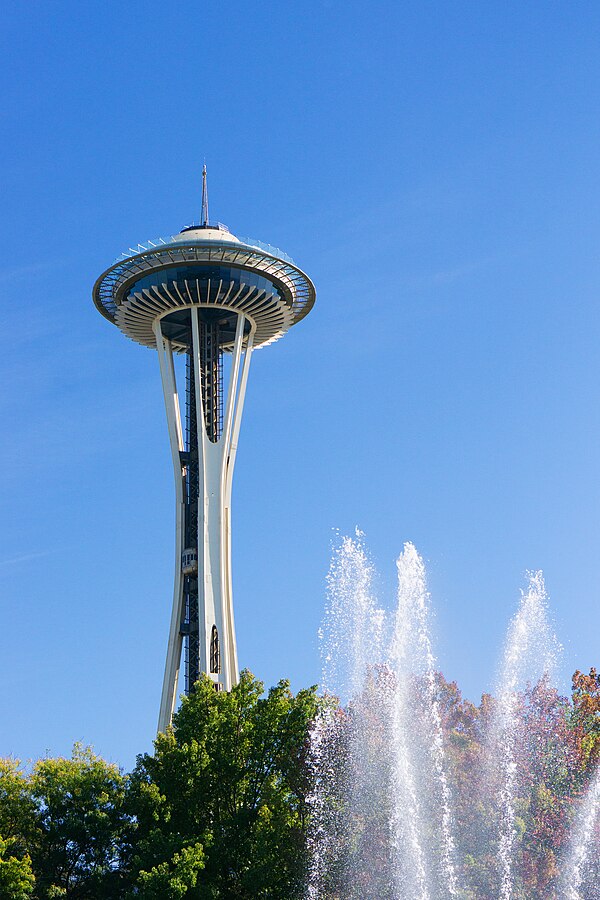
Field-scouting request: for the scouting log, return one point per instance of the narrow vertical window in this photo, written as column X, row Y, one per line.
column 215, row 652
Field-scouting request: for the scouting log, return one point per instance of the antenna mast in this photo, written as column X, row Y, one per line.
column 204, row 197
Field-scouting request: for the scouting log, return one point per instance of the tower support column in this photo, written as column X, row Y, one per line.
column 211, row 555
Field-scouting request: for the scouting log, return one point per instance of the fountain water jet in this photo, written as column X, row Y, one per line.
column 582, row 842
column 530, row 654
column 394, row 741
column 412, row 656
column 351, row 640
column 352, row 635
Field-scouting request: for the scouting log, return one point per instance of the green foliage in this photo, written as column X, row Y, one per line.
column 16, row 878
column 82, row 823
column 228, row 776
column 173, row 879
column 18, row 810
column 18, row 831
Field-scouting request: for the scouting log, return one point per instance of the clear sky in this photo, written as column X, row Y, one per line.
column 435, row 168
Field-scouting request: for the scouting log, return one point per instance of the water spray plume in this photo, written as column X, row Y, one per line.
column 387, row 766
column 530, row 655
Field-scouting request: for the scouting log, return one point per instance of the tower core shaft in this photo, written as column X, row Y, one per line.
column 203, row 466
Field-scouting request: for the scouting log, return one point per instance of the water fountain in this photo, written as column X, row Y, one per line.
column 387, row 783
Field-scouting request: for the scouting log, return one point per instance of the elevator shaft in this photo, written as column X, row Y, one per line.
column 210, row 360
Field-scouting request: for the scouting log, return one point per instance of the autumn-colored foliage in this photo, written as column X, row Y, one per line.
column 555, row 749
column 586, row 707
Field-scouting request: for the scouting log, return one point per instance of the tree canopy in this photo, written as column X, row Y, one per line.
column 221, row 808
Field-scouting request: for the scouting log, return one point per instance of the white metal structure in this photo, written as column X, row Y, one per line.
column 203, row 293
column 216, row 461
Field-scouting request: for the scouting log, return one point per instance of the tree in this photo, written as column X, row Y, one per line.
column 549, row 760
column 18, row 830
column 18, row 809
column 16, row 878
column 221, row 805
column 466, row 728
column 82, row 823
column 586, row 707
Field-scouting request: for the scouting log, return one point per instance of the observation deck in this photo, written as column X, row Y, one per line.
column 207, row 266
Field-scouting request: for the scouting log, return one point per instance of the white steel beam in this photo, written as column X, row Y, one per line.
column 171, row 675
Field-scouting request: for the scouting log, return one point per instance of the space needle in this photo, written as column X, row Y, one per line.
column 213, row 298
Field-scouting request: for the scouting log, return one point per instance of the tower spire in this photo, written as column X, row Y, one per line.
column 204, row 197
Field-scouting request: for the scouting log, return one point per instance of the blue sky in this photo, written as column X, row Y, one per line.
column 435, row 168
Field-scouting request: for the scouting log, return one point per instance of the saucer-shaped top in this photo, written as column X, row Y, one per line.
column 208, row 267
